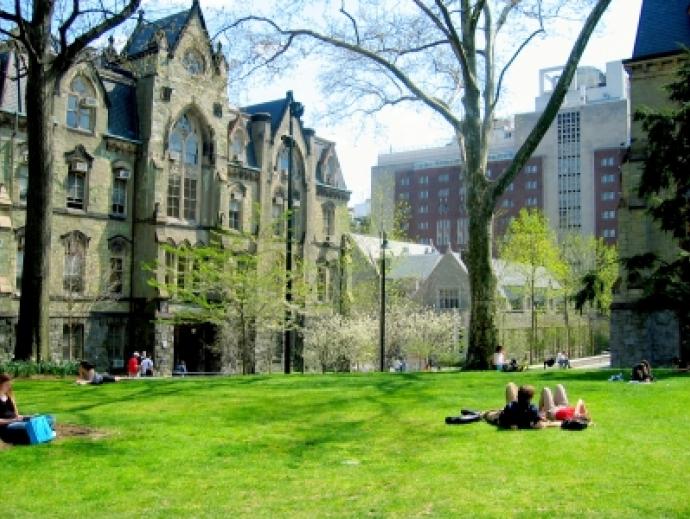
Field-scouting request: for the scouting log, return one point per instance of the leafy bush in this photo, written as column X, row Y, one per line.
column 25, row 369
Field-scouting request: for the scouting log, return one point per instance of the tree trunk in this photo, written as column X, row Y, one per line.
column 482, row 333
column 34, row 306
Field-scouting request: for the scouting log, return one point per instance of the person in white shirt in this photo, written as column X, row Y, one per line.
column 499, row 358
column 147, row 367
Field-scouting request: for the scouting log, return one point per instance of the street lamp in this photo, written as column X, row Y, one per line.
column 382, row 314
column 295, row 110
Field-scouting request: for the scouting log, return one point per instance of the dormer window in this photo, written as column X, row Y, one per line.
column 81, row 105
column 193, row 62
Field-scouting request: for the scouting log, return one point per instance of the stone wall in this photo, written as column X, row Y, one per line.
column 636, row 335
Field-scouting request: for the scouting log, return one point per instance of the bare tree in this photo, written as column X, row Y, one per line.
column 52, row 35
column 449, row 55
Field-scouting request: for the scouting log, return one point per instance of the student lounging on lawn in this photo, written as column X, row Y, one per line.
column 88, row 375
column 519, row 412
column 12, row 424
column 557, row 407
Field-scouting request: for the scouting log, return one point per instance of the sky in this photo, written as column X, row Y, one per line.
column 403, row 127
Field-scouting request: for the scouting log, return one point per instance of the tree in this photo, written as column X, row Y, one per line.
column 665, row 186
column 227, row 284
column 530, row 243
column 596, row 284
column 51, row 40
column 443, row 54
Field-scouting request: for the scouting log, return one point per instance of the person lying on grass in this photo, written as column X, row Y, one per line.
column 88, row 375
column 12, row 424
column 556, row 408
column 519, row 412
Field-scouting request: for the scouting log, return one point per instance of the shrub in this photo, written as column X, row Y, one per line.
column 23, row 369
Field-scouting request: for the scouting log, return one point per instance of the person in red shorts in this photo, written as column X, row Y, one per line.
column 556, row 406
column 133, row 365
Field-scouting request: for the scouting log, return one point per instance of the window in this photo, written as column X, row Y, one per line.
column 423, row 195
column 405, row 181
column 531, row 169
column 321, row 283
column 328, row 220
column 608, row 195
column 462, row 193
column 74, row 263
column 511, row 187
column 185, row 146
column 19, row 264
column 190, row 198
column 117, row 271
column 72, row 342
column 182, row 269
column 423, row 226
column 23, row 181
column 76, row 189
column 423, row 209
column 463, row 231
column 234, row 215
column 119, row 204
column 170, row 267
column 193, row 61
column 609, row 178
column 608, row 215
column 237, row 151
column 507, row 203
column 532, row 201
column 115, row 345
column 81, row 103
column 607, row 161
column 424, row 179
column 443, row 233
column 403, row 196
column 531, row 184
column 174, row 187
column 444, row 177
column 442, row 208
column 443, row 193
column 609, row 233
column 569, row 170
column 448, row 298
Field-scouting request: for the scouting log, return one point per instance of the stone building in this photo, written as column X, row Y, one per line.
column 572, row 175
column 148, row 151
column 663, row 29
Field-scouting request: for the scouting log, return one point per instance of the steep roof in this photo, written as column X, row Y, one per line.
column 370, row 246
column 122, row 109
column 276, row 109
column 413, row 267
column 172, row 26
column 664, row 26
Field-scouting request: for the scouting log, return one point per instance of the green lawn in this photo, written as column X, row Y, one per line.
column 349, row 446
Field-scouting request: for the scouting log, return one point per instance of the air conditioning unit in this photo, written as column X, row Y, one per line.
column 278, row 200
column 296, row 203
column 80, row 166
column 89, row 102
column 122, row 174
column 174, row 155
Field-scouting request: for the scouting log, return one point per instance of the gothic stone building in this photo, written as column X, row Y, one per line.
column 148, row 151
column 663, row 30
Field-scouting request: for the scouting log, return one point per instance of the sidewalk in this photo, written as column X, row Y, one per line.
column 595, row 362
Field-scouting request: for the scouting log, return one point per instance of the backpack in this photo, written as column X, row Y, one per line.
column 575, row 424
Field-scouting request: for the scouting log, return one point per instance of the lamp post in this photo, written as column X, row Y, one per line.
column 295, row 110
column 382, row 314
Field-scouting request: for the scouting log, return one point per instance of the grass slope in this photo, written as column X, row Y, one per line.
column 349, row 446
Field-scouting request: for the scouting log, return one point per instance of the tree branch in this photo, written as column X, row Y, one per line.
column 68, row 23
column 68, row 54
column 554, row 104
column 354, row 22
column 457, row 45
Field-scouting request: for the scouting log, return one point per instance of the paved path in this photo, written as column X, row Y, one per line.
column 597, row 361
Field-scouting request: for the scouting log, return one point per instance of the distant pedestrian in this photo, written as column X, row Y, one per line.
column 499, row 358
column 133, row 365
column 146, row 368
column 563, row 360
column 181, row 368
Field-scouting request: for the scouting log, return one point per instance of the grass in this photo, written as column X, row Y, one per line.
column 349, row 446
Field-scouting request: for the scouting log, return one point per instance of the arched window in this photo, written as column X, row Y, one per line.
column 185, row 146
column 235, row 209
column 75, row 262
column 81, row 104
column 193, row 61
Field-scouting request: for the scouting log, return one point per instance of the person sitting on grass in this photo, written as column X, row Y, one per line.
column 519, row 412
column 12, row 424
column 556, row 407
column 642, row 372
column 88, row 375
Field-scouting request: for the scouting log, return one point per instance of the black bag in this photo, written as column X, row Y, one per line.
column 574, row 424
column 463, row 419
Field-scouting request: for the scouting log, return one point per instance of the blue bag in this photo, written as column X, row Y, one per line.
column 39, row 430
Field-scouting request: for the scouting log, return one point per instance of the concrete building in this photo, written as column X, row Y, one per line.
column 149, row 152
column 663, row 29
column 572, row 176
